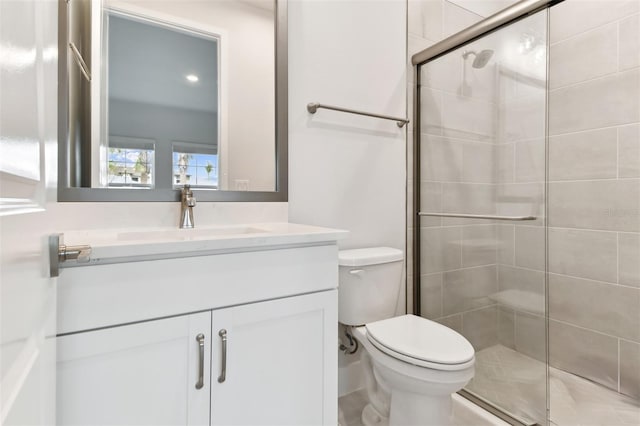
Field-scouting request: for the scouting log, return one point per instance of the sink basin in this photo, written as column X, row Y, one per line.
column 188, row 234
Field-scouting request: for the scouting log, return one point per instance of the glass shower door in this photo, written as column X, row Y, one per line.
column 481, row 182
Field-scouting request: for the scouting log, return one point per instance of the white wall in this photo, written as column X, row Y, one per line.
column 346, row 171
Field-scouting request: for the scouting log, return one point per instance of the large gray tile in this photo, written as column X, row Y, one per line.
column 454, row 322
column 480, row 327
column 506, row 327
column 629, row 43
column 585, row 353
column 608, row 101
column 431, row 296
column 440, row 249
column 479, row 83
column 479, row 162
column 414, row 18
column 523, row 118
column 410, row 306
column 521, row 199
column 430, row 201
column 468, row 118
column 585, row 254
column 584, row 155
column 506, row 247
column 531, row 335
column 608, row 308
column 521, row 289
column 629, row 151
column 469, row 198
column 630, row 368
column 430, row 111
column 518, row 384
column 457, row 19
column 468, row 289
column 605, row 204
column 530, row 161
column 629, row 259
column 479, row 245
column 440, row 159
column 530, row 247
column 588, row 55
column 505, row 162
column 573, row 17
column 444, row 74
column 512, row 381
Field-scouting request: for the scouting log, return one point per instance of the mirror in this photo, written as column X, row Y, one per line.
column 156, row 94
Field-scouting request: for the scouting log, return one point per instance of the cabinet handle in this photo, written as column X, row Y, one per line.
column 223, row 373
column 200, row 340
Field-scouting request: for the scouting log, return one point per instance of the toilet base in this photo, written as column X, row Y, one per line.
column 371, row 417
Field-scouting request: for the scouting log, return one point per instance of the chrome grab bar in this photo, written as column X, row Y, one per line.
column 223, row 373
column 80, row 61
column 478, row 216
column 314, row 106
column 200, row 340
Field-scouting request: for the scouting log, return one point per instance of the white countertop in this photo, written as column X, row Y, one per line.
column 127, row 245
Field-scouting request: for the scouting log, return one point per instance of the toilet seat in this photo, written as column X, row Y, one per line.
column 413, row 340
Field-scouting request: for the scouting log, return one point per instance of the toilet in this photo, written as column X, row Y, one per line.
column 411, row 365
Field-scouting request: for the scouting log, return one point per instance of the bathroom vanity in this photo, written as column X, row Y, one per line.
column 217, row 326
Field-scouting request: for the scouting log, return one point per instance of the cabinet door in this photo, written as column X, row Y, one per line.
column 139, row 374
column 281, row 362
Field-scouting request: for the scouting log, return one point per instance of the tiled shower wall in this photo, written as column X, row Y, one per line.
column 482, row 152
column 594, row 198
column 594, row 191
column 430, row 21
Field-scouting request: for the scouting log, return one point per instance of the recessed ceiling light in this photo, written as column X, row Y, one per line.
column 192, row 78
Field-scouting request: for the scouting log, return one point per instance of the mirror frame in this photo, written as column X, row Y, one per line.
column 281, row 157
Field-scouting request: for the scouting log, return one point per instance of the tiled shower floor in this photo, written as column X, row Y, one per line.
column 517, row 383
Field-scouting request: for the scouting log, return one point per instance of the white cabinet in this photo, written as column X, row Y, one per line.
column 138, row 374
column 279, row 365
column 280, row 362
column 127, row 336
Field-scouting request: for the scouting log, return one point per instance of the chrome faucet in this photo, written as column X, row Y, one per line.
column 188, row 202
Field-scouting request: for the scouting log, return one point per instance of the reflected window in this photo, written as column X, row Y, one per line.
column 130, row 163
column 198, row 169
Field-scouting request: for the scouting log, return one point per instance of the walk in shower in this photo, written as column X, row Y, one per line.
column 510, row 248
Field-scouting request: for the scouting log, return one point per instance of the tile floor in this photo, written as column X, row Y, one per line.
column 517, row 383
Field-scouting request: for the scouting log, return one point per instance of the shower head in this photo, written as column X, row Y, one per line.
column 481, row 58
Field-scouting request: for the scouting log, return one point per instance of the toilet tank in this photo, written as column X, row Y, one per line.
column 369, row 284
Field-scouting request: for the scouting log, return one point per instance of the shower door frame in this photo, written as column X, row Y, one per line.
column 493, row 23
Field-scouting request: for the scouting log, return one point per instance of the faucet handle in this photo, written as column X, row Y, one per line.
column 191, row 201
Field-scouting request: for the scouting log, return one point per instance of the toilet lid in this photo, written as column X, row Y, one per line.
column 420, row 339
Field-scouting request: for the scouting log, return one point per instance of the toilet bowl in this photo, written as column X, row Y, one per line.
column 411, row 365
column 417, row 381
